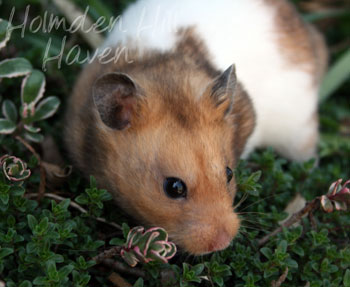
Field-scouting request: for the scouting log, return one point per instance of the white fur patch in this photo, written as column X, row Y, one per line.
column 242, row 32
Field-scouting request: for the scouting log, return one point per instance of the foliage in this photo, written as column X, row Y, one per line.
column 14, row 169
column 337, row 75
column 52, row 242
column 32, row 91
column 151, row 245
column 338, row 197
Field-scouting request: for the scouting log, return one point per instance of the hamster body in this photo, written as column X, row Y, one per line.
column 162, row 127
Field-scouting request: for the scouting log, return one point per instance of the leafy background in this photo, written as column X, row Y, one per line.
column 48, row 242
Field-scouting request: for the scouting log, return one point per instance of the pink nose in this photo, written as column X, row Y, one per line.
column 221, row 241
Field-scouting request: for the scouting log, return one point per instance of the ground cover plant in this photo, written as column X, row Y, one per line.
column 59, row 229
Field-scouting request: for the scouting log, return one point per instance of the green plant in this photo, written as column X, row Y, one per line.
column 147, row 246
column 32, row 90
column 66, row 235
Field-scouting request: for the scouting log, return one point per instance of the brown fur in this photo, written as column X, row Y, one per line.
column 302, row 44
column 304, row 47
column 177, row 130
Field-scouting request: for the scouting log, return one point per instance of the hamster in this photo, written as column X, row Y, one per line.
column 201, row 84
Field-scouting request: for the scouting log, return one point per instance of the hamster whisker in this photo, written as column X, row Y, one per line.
column 243, row 199
column 244, row 233
column 254, row 228
column 262, row 199
column 256, row 222
column 252, row 212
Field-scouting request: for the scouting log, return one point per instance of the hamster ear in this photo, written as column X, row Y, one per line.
column 244, row 119
column 222, row 90
column 115, row 97
column 231, row 100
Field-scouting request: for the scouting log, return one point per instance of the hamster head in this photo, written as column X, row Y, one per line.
column 172, row 145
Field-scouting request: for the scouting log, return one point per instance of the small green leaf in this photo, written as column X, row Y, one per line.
column 37, row 138
column 82, row 199
column 282, row 246
column 40, row 280
column 9, row 111
column 46, row 108
column 298, row 250
column 26, row 284
column 332, row 268
column 31, row 247
column 218, row 280
column 7, row 126
column 64, row 204
column 270, row 272
column 324, row 14
column 31, row 129
column 44, row 224
column 126, row 230
column 11, row 220
column 33, row 87
column 17, row 190
column 4, row 188
column 5, row 252
column 32, row 222
column 51, row 270
column 291, row 263
column 82, row 264
column 5, row 33
column 80, row 279
column 267, row 252
column 93, row 183
column 256, row 176
column 185, row 268
column 346, row 279
column 117, row 241
column 139, row 283
column 198, row 269
column 65, row 271
column 253, row 192
column 16, row 67
column 4, row 198
column 336, row 76
column 326, row 204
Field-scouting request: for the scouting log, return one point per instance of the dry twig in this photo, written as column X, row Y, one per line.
column 42, row 183
column 293, row 219
column 109, row 253
column 72, row 12
column 123, row 268
column 118, row 281
column 29, row 147
column 283, row 278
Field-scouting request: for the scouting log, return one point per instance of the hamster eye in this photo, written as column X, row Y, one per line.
column 229, row 174
column 174, row 187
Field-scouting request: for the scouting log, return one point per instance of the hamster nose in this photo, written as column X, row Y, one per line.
column 220, row 241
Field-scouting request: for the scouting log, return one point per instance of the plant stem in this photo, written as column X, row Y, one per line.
column 123, row 268
column 309, row 207
column 118, row 281
column 72, row 12
column 29, row 147
column 42, row 169
column 109, row 253
column 283, row 278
